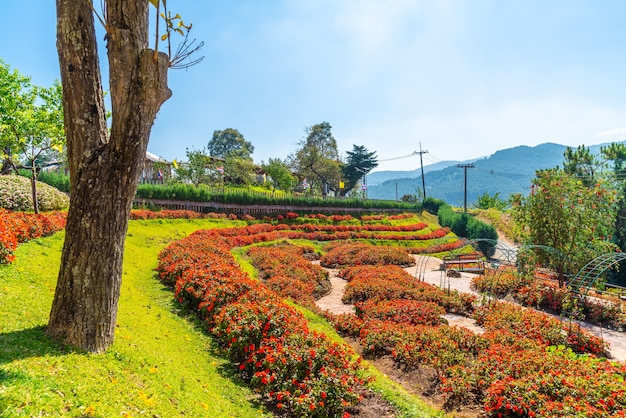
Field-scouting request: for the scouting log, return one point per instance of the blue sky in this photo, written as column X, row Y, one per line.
column 463, row 77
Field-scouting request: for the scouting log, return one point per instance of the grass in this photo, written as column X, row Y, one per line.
column 161, row 363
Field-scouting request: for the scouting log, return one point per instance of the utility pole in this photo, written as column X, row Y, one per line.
column 422, row 166
column 465, row 167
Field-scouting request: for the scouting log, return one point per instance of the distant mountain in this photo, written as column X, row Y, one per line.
column 379, row 177
column 508, row 171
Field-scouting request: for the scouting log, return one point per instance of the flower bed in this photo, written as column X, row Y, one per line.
column 357, row 254
column 18, row 227
column 393, row 283
column 297, row 371
column 535, row 291
column 285, row 271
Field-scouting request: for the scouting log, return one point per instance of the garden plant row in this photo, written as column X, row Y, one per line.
column 19, row 227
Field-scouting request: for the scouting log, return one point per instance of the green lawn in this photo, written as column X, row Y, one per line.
column 161, row 363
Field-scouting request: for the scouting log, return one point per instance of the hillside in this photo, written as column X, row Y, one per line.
column 507, row 171
column 379, row 177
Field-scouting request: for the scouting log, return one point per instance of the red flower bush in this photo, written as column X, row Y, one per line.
column 543, row 328
column 356, row 254
column 401, row 311
column 289, row 274
column 19, row 227
column 392, row 282
column 300, row 373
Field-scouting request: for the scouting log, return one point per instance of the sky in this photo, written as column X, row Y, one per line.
column 460, row 79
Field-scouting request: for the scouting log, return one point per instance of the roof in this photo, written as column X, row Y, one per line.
column 155, row 158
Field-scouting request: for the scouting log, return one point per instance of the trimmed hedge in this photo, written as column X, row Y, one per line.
column 246, row 197
column 468, row 227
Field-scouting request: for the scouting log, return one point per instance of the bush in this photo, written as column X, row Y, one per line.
column 57, row 180
column 432, row 205
column 468, row 227
column 15, row 195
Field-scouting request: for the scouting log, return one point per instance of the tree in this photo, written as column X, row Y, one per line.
column 279, row 174
column 42, row 133
column 31, row 124
column 563, row 213
column 104, row 167
column 229, row 142
column 359, row 162
column 581, row 163
column 238, row 170
column 485, row 201
column 317, row 159
column 15, row 95
column 196, row 168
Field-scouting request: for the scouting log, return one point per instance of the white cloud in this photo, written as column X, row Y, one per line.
column 612, row 134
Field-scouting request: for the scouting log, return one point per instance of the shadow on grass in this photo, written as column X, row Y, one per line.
column 30, row 342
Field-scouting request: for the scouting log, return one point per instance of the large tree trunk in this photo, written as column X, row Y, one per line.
column 104, row 170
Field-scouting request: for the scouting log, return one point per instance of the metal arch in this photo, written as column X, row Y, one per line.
column 547, row 248
column 589, row 274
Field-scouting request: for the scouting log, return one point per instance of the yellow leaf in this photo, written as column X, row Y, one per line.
column 155, row 3
column 164, row 36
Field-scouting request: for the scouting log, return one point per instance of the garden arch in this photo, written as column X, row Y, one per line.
column 589, row 274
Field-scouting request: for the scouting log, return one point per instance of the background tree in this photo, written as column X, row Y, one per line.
column 358, row 163
column 279, row 174
column 42, row 135
column 563, row 213
column 229, row 142
column 582, row 164
column 31, row 125
column 239, row 171
column 196, row 169
column 104, row 168
column 317, row 159
column 16, row 95
column 486, row 201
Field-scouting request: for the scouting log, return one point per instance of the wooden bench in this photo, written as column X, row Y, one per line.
column 470, row 263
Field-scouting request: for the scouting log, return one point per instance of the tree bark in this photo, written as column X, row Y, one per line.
column 104, row 170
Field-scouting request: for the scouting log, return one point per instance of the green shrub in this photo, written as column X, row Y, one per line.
column 468, row 227
column 56, row 180
column 15, row 195
column 432, row 205
column 201, row 193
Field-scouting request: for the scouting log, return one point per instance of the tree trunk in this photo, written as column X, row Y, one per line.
column 33, row 187
column 104, row 171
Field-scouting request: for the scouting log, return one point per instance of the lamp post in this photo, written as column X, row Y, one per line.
column 360, row 170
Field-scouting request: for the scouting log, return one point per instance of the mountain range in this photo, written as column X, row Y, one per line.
column 507, row 172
